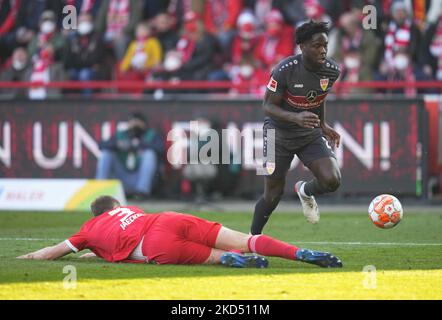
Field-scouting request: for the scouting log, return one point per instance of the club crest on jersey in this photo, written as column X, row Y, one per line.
column 324, row 83
column 272, row 85
column 270, row 167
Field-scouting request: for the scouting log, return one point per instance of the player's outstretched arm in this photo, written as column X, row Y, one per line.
column 48, row 253
column 88, row 255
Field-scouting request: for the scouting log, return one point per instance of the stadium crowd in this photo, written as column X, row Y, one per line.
column 211, row 40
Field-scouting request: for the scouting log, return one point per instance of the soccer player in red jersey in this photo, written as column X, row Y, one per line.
column 127, row 234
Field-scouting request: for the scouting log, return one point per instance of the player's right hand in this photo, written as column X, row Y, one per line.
column 307, row 120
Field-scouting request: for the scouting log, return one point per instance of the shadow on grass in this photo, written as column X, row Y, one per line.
column 14, row 270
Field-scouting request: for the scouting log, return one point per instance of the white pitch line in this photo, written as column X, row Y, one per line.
column 30, row 239
column 405, row 244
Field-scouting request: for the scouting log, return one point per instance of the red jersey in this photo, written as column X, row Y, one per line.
column 113, row 235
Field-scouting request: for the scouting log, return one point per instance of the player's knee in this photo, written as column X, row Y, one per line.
column 331, row 183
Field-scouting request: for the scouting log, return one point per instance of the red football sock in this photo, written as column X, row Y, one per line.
column 267, row 246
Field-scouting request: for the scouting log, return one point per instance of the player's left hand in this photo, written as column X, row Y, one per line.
column 331, row 135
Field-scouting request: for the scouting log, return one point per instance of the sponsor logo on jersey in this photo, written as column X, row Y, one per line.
column 299, row 85
column 311, row 95
column 273, row 84
column 311, row 100
column 324, row 83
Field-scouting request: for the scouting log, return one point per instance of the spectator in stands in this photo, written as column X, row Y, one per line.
column 132, row 156
column 260, row 9
column 432, row 49
column 403, row 70
column 151, row 8
column 17, row 69
column 116, row 20
column 178, row 9
column 47, row 34
column 143, row 55
column 220, row 20
column 8, row 13
column 192, row 59
column 316, row 11
column 228, row 174
column 293, row 11
column 210, row 176
column 356, row 49
column 164, row 27
column 276, row 43
column 401, row 58
column 27, row 22
column 84, row 52
column 45, row 52
column 244, row 67
column 402, row 34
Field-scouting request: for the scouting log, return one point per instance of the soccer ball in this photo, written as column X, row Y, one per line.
column 385, row 211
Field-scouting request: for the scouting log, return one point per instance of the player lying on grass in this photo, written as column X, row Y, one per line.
column 127, row 234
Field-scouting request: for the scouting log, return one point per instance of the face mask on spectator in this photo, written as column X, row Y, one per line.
column 351, row 62
column 172, row 61
column 247, row 31
column 85, row 27
column 47, row 27
column 18, row 65
column 246, row 71
column 401, row 61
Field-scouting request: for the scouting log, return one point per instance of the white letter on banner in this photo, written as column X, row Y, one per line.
column 37, row 149
column 364, row 154
column 385, row 146
column 5, row 151
column 82, row 137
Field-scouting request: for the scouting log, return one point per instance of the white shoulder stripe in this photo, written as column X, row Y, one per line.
column 70, row 245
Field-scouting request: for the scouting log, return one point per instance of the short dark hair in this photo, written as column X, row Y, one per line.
column 139, row 116
column 306, row 31
column 103, row 204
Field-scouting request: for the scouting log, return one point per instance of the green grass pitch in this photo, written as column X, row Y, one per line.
column 407, row 261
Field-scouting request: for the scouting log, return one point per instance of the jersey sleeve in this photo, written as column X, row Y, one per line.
column 336, row 72
column 278, row 81
column 78, row 241
column 336, row 75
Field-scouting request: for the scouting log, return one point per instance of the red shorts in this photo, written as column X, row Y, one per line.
column 177, row 238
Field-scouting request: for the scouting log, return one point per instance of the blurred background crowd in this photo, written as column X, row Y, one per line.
column 211, row 40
